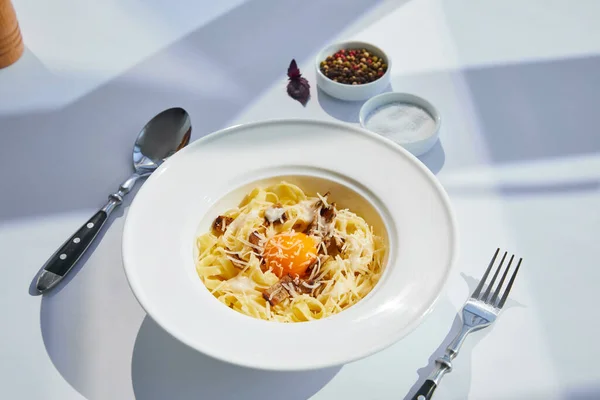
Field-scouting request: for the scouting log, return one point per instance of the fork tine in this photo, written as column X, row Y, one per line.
column 487, row 272
column 510, row 283
column 486, row 295
column 497, row 291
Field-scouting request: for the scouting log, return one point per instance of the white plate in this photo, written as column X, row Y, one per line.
column 179, row 200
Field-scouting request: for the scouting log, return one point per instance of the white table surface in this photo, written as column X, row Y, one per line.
column 518, row 87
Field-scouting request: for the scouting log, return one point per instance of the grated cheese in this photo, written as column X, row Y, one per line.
column 237, row 262
column 306, row 210
column 241, row 284
column 273, row 214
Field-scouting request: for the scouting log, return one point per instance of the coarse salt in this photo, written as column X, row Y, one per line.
column 401, row 122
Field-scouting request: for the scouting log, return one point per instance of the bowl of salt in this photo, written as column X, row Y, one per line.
column 408, row 120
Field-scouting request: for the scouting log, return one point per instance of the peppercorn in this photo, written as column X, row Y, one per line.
column 353, row 66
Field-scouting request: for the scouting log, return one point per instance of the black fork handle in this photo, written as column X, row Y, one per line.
column 426, row 390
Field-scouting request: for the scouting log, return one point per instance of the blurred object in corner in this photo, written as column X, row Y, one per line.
column 11, row 42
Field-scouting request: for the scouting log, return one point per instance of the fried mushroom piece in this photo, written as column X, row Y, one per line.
column 328, row 213
column 321, row 225
column 220, row 224
column 284, row 288
column 277, row 292
column 254, row 240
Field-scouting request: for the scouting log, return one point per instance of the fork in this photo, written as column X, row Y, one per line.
column 479, row 311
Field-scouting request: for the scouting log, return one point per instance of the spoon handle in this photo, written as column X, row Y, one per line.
column 65, row 258
column 61, row 262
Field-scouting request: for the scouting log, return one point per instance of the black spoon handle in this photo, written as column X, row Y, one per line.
column 61, row 262
column 65, row 258
column 426, row 390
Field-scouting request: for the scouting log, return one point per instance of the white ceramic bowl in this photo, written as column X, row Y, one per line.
column 183, row 196
column 416, row 146
column 347, row 92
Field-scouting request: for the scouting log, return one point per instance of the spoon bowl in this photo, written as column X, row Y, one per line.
column 164, row 135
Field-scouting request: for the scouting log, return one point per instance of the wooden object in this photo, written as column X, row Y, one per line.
column 11, row 42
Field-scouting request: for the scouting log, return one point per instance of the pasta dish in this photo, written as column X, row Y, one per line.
column 284, row 256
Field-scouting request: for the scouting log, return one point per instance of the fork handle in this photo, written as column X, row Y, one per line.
column 426, row 390
column 443, row 365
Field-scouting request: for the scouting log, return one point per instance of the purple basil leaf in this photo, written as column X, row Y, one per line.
column 293, row 71
column 298, row 87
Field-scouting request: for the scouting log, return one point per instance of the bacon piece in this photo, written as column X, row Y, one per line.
column 220, row 224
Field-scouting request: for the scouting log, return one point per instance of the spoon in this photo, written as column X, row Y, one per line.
column 164, row 135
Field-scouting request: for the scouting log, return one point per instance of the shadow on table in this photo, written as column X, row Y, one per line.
column 512, row 113
column 435, row 158
column 466, row 350
column 584, row 392
column 528, row 110
column 164, row 368
column 82, row 152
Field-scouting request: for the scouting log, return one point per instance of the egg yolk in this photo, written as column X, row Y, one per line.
column 289, row 253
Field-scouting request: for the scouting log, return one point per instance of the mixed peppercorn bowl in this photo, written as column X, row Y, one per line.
column 353, row 71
